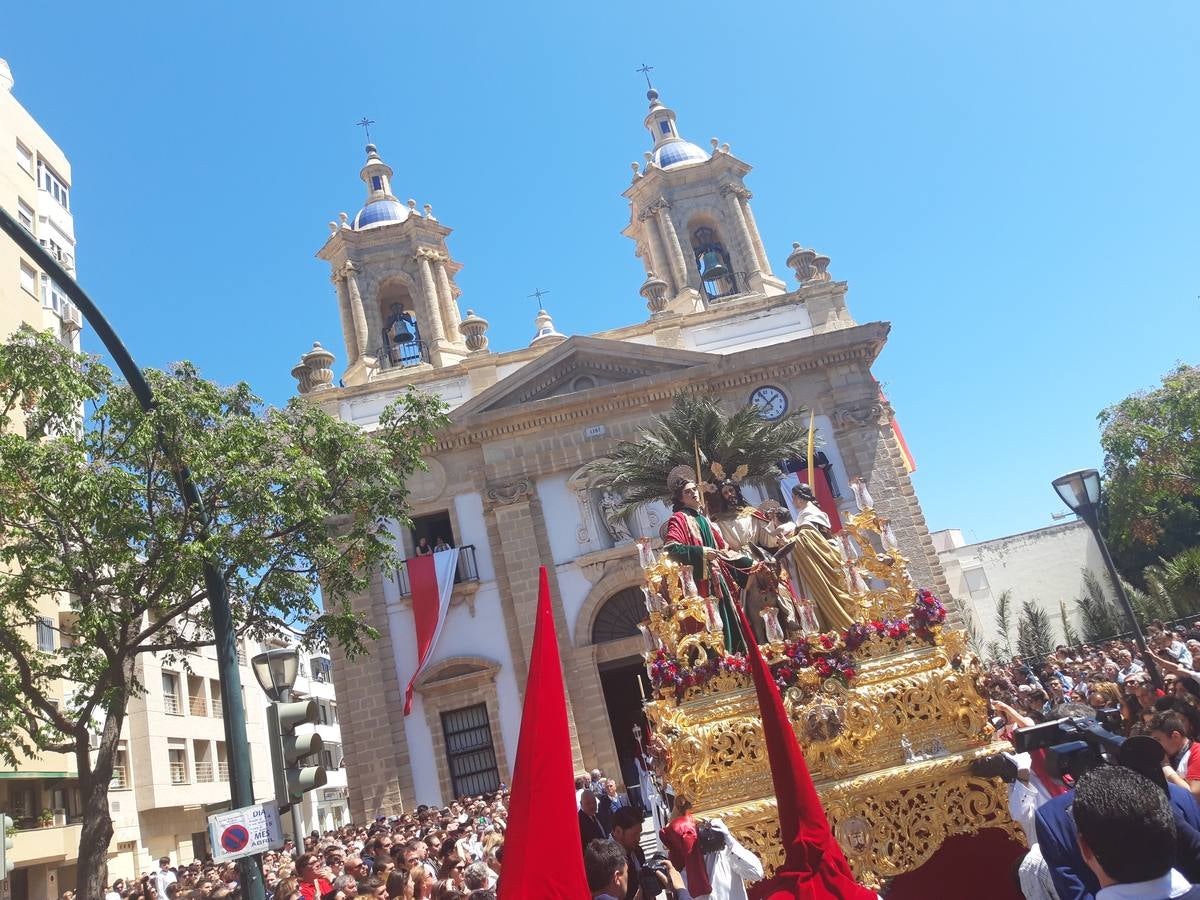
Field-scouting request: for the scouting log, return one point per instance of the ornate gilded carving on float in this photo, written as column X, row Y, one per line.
column 887, row 713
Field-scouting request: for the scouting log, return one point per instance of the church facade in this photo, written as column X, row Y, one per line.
column 506, row 482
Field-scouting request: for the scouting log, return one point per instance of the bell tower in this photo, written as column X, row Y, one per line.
column 394, row 279
column 690, row 218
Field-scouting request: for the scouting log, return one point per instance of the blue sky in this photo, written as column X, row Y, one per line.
column 1012, row 185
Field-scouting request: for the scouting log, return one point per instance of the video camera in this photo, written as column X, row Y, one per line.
column 1073, row 745
column 649, row 881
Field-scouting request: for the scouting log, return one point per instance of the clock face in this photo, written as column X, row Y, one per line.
column 771, row 403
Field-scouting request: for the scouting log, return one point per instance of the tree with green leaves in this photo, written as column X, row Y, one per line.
column 697, row 425
column 1151, row 443
column 91, row 514
column 1035, row 637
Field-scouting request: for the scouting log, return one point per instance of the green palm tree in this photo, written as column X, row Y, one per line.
column 638, row 469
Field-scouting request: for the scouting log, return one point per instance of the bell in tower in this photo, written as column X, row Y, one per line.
column 690, row 218
column 395, row 283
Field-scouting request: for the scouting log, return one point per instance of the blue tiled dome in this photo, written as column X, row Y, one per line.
column 677, row 153
column 380, row 212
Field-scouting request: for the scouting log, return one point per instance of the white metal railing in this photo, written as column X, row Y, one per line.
column 204, row 771
column 171, row 704
column 119, row 778
column 218, row 708
column 222, row 771
column 179, row 773
column 198, row 706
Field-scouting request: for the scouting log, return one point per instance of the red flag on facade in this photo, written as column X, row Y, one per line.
column 814, row 867
column 431, row 582
column 542, row 856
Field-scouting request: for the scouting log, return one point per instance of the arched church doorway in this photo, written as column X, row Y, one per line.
column 622, row 673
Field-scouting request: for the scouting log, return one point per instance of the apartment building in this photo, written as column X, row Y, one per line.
column 41, row 794
column 327, row 807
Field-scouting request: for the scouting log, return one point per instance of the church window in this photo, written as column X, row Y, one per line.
column 664, row 126
column 377, row 182
column 619, row 616
column 470, row 754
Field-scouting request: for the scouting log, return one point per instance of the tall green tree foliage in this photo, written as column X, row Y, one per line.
column 1151, row 443
column 1035, row 637
column 93, row 517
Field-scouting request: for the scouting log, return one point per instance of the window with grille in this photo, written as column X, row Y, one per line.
column 321, row 669
column 45, row 634
column 469, row 751
column 619, row 616
column 331, row 757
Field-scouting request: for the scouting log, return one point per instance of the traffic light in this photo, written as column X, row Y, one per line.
column 6, row 864
column 289, row 750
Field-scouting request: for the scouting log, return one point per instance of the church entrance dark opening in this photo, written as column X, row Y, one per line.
column 619, row 680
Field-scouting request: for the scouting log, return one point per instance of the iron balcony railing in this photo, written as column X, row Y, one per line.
column 401, row 356
column 726, row 285
column 171, row 704
column 218, row 708
column 179, row 773
column 466, row 570
column 222, row 771
column 204, row 771
column 120, row 780
column 197, row 705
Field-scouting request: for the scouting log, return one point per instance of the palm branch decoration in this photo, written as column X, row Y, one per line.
column 742, row 442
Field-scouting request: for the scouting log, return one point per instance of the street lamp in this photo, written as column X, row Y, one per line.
column 276, row 671
column 1081, row 492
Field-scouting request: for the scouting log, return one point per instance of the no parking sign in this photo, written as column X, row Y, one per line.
column 245, row 832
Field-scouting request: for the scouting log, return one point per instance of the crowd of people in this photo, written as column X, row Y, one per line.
column 454, row 852
column 1131, row 816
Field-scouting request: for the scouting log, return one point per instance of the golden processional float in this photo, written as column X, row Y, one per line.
column 887, row 713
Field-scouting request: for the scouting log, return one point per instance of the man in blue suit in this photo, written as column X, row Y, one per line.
column 1057, row 833
column 1127, row 836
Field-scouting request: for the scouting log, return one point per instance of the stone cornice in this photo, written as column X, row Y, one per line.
column 860, row 344
column 398, row 379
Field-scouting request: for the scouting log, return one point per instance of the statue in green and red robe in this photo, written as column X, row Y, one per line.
column 691, row 540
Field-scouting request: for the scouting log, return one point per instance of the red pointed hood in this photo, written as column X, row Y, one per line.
column 814, row 867
column 541, row 845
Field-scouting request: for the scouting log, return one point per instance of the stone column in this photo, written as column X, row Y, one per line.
column 519, row 545
column 745, row 244
column 357, row 313
column 349, row 337
column 864, row 435
column 754, row 233
column 658, row 263
column 671, row 239
column 433, row 315
column 451, row 318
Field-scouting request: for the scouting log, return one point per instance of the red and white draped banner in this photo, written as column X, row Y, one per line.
column 431, row 580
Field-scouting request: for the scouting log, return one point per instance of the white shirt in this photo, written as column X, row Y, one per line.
column 161, row 879
column 1170, row 885
column 728, row 869
column 1034, row 875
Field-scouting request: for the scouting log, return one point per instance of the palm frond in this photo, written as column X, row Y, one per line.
column 1035, row 638
column 1098, row 617
column 1004, row 620
column 638, row 469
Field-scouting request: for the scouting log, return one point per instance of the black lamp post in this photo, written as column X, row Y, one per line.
column 241, row 786
column 1081, row 492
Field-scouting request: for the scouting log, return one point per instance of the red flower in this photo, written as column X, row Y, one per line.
column 826, row 642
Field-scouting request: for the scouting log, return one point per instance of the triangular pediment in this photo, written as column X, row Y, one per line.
column 581, row 364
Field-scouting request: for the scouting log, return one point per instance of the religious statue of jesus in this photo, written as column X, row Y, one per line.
column 691, row 540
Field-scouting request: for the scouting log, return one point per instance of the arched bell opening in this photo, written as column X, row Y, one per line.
column 712, row 262
column 401, row 340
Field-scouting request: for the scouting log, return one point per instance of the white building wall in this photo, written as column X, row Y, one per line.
column 1045, row 566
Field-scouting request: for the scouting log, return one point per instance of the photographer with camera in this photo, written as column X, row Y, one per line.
column 1056, row 828
column 608, row 874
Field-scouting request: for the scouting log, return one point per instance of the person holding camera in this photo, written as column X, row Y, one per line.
column 608, row 874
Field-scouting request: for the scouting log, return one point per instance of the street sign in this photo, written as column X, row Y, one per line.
column 245, row 832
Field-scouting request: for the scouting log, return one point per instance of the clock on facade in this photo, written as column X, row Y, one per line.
column 771, row 402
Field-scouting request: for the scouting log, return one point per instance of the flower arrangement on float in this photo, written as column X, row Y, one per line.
column 825, row 655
